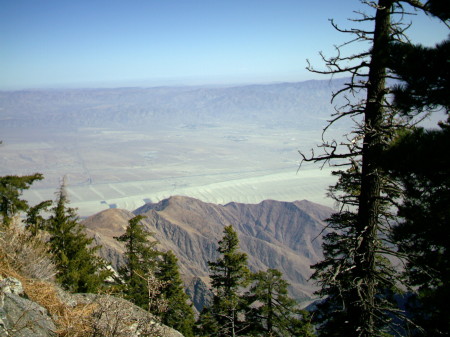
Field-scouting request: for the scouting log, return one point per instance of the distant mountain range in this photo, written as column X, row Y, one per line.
column 303, row 103
column 281, row 235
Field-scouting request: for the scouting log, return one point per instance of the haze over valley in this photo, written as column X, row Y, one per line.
column 121, row 148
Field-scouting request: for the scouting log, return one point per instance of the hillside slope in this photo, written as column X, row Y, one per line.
column 33, row 305
column 281, row 235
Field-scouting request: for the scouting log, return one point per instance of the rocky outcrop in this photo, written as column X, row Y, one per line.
column 274, row 234
column 20, row 317
column 73, row 315
column 117, row 317
column 199, row 292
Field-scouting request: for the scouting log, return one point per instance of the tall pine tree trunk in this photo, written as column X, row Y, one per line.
column 361, row 309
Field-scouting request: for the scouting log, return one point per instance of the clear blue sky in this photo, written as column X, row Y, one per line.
column 88, row 43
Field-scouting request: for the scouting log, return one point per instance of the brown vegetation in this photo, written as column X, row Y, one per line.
column 26, row 258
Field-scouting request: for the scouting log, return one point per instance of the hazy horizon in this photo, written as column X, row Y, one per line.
column 167, row 83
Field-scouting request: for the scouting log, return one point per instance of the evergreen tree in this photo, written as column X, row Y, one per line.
column 424, row 72
column 35, row 221
column 179, row 314
column 229, row 274
column 302, row 325
column 273, row 312
column 207, row 324
column 423, row 231
column 416, row 160
column 138, row 273
column 11, row 189
column 425, row 76
column 79, row 269
column 355, row 276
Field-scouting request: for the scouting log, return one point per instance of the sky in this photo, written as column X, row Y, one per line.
column 111, row 43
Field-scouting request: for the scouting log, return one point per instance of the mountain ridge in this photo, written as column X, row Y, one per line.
column 273, row 234
column 104, row 107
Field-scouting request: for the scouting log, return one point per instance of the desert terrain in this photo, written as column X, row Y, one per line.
column 121, row 148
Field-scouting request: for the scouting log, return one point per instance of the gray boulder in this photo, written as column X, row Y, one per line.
column 20, row 317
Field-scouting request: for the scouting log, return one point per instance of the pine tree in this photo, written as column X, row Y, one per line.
column 349, row 274
column 424, row 72
column 302, row 325
column 138, row 273
column 35, row 222
column 425, row 75
column 273, row 312
column 79, row 269
column 423, row 231
column 229, row 274
column 179, row 314
column 11, row 189
column 355, row 276
column 416, row 160
column 207, row 324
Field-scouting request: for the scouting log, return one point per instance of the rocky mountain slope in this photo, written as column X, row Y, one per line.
column 281, row 235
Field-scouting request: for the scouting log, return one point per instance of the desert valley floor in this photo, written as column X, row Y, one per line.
column 109, row 168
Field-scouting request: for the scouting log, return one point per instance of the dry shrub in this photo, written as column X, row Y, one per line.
column 96, row 315
column 29, row 255
column 27, row 259
column 116, row 317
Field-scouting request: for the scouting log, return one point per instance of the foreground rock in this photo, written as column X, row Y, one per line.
column 118, row 317
column 73, row 315
column 20, row 317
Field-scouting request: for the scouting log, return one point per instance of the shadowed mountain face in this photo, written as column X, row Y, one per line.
column 280, row 235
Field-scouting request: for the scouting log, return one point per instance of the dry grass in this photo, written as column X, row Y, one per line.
column 100, row 315
column 70, row 321
column 27, row 259
column 29, row 255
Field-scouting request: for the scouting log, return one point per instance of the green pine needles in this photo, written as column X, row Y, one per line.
column 151, row 279
column 248, row 304
column 11, row 189
column 79, row 268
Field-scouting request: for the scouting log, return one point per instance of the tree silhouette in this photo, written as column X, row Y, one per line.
column 415, row 160
column 355, row 275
